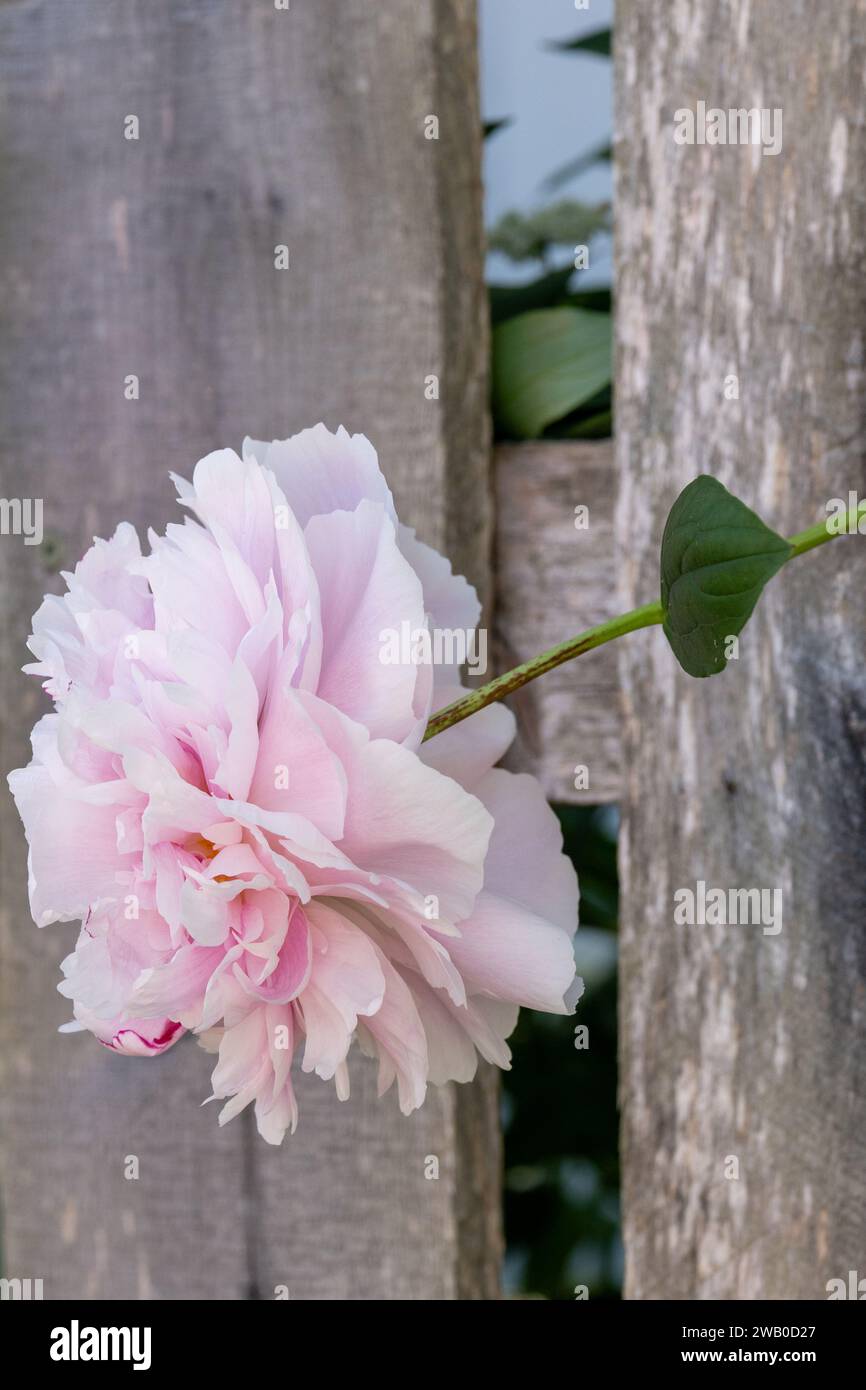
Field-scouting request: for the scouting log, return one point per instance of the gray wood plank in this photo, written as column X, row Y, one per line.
column 555, row 578
column 258, row 128
column 735, row 1043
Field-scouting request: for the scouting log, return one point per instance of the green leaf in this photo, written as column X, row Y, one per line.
column 716, row 557
column 600, row 154
column 545, row 364
column 599, row 41
column 506, row 301
column 597, row 426
column 592, row 420
column 600, row 300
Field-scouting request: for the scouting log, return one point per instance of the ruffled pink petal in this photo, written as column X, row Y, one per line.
column 320, row 472
column 395, row 1035
column 295, row 769
column 277, row 967
column 450, row 600
column 408, row 821
column 232, row 499
column 451, row 1054
column 525, row 862
column 177, row 987
column 346, row 981
column 236, row 766
column 192, row 589
column 254, row 1066
column 512, row 954
column 367, row 591
column 73, row 856
column 132, row 1037
column 468, row 750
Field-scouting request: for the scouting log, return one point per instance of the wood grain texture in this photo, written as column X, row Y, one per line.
column 553, row 581
column 156, row 257
column 736, row 1044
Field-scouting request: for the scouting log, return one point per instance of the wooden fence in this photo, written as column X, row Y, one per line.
column 305, row 128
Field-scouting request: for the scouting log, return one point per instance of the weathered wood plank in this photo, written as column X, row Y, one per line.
column 415, row 274
column 258, row 127
column 554, row 578
column 737, row 1044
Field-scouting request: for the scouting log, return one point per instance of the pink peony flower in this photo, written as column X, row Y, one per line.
column 233, row 797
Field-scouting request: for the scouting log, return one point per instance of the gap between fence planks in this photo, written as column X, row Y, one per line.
column 553, row 580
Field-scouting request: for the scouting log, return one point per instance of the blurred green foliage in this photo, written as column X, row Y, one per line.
column 552, row 378
column 490, row 127
column 552, row 350
column 530, row 236
column 562, row 1220
column 600, row 41
column 600, row 154
column 551, row 367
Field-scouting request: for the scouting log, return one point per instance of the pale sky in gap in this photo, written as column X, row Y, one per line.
column 561, row 104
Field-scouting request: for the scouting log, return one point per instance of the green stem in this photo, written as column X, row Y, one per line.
column 647, row 616
column 819, row 534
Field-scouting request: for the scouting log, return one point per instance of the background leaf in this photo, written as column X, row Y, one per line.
column 598, row 155
column 598, row 425
column 545, row 364
column 716, row 557
column 490, row 127
column 528, row 236
column 507, row 301
column 592, row 420
column 599, row 41
column 599, row 300
column 562, row 1166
